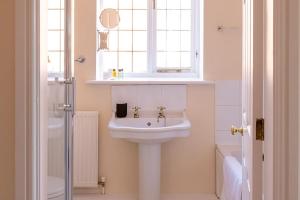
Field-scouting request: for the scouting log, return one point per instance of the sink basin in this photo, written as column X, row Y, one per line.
column 149, row 133
column 149, row 130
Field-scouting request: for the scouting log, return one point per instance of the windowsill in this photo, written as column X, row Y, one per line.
column 151, row 81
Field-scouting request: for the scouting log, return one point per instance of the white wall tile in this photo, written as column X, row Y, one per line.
column 228, row 92
column 149, row 97
column 225, row 138
column 226, row 116
column 228, row 101
column 124, row 94
column 174, row 97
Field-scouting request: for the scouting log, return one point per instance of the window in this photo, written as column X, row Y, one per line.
column 56, row 38
column 154, row 37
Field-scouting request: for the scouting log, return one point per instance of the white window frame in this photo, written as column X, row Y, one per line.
column 196, row 47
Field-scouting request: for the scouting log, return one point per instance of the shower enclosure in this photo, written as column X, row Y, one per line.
column 61, row 100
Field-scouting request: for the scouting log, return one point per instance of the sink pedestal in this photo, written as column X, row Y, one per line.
column 149, row 135
column 149, row 171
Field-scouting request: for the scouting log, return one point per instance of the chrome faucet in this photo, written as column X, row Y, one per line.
column 136, row 112
column 161, row 113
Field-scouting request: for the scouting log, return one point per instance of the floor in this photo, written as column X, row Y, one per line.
column 128, row 197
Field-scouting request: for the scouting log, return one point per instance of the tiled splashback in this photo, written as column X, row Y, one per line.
column 149, row 97
column 228, row 102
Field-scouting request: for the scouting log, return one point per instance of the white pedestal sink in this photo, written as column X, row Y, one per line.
column 149, row 134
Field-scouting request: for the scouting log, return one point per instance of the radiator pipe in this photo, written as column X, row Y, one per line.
column 102, row 183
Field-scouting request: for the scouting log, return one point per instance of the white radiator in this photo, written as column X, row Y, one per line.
column 85, row 149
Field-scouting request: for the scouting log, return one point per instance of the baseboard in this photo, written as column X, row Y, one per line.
column 82, row 191
column 87, row 195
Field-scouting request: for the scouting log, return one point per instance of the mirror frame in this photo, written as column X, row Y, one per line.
column 109, row 18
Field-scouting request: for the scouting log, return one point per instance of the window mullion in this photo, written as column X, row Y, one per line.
column 194, row 31
column 197, row 38
column 151, row 37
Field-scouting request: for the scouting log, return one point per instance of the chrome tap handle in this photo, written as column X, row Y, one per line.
column 136, row 108
column 161, row 108
column 161, row 113
column 136, row 111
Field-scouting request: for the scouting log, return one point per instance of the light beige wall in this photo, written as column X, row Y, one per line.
column 188, row 165
column 223, row 50
column 7, row 100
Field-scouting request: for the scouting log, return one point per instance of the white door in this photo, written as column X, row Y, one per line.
column 252, row 98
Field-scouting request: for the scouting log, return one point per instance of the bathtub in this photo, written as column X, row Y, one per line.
column 221, row 152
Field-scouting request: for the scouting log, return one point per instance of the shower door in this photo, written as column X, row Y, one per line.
column 61, row 99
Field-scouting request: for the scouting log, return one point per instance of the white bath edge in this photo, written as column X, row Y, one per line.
column 221, row 151
column 228, row 148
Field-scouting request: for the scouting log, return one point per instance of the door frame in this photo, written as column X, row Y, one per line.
column 298, row 100
column 285, row 95
column 23, row 128
column 283, row 143
column 30, row 82
column 293, row 126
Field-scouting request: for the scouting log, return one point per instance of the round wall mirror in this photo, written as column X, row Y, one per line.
column 109, row 18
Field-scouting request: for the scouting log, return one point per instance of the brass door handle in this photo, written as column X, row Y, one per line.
column 236, row 131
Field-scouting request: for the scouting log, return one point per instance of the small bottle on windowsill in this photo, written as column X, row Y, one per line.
column 120, row 73
column 114, row 73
